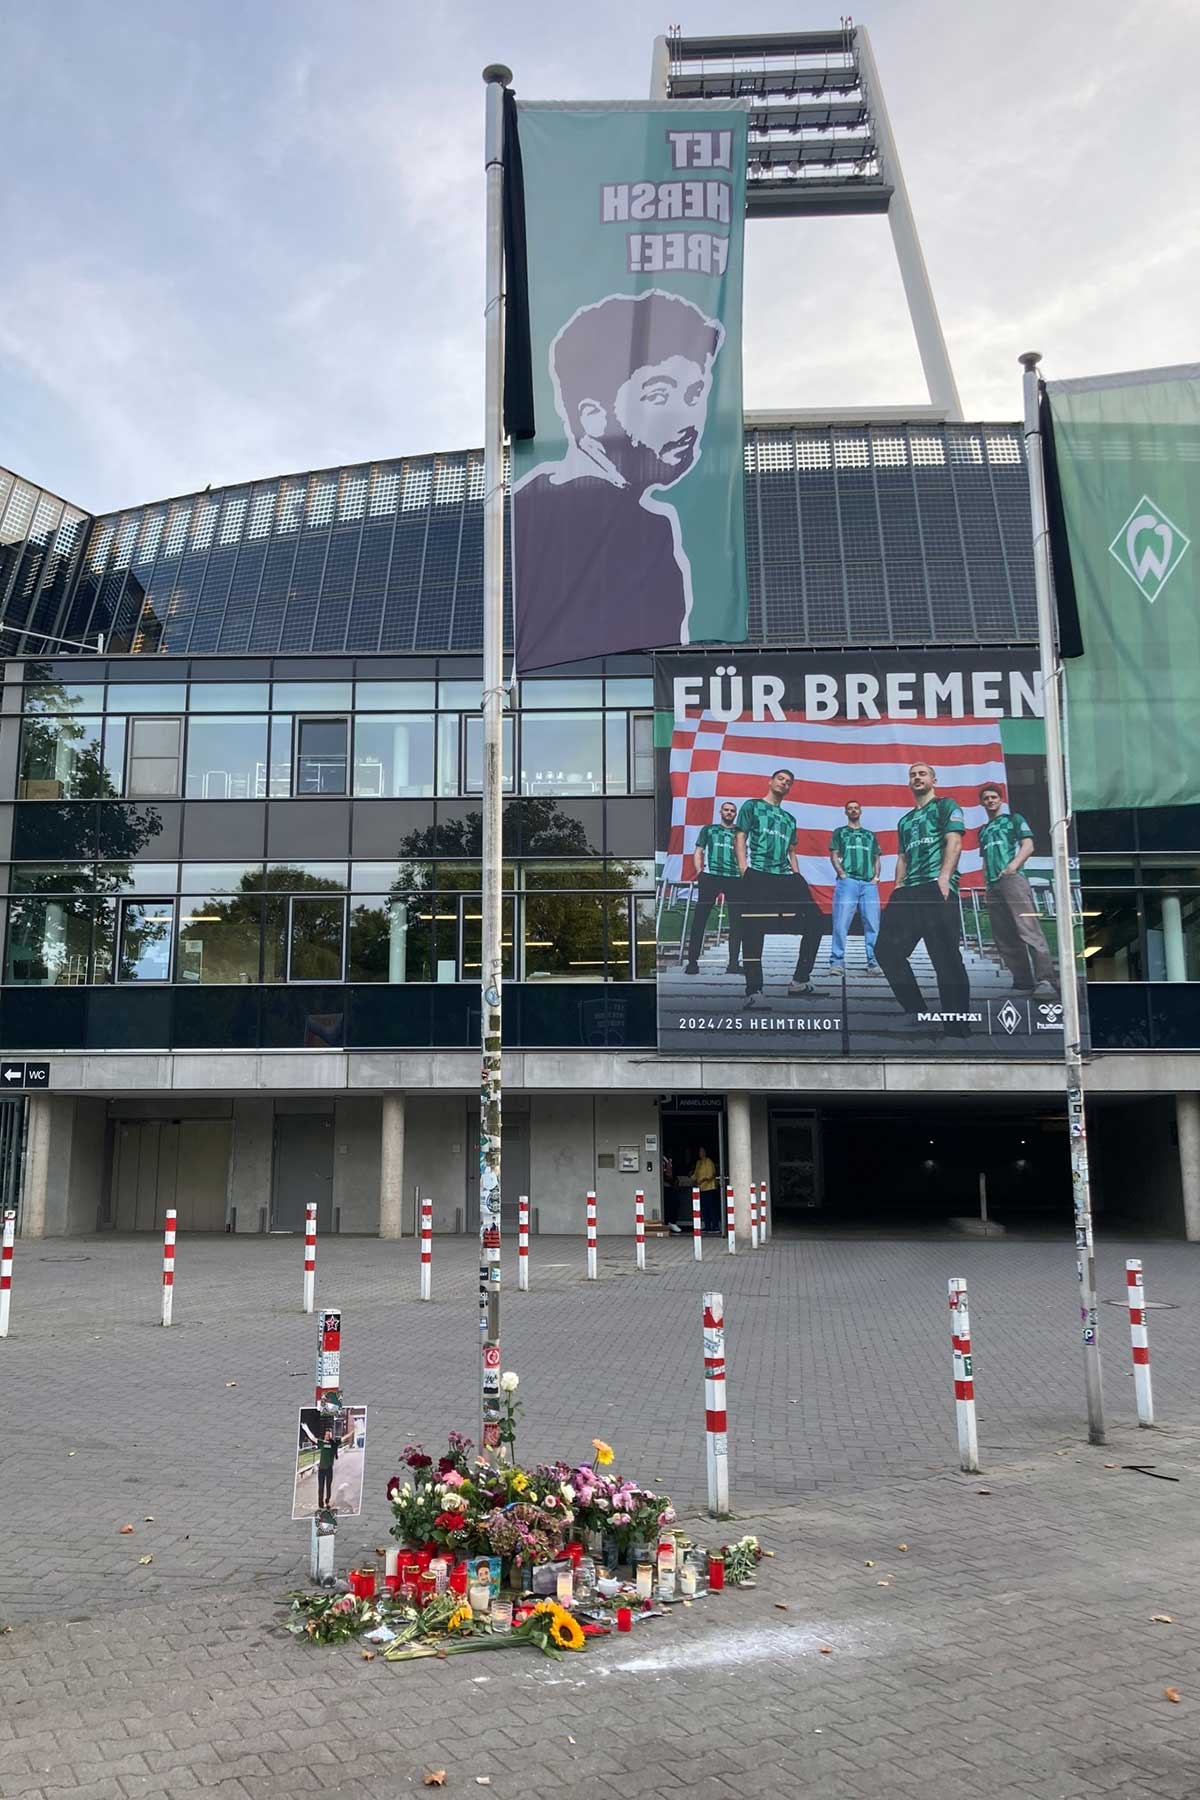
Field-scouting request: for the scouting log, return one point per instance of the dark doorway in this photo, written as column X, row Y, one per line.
column 303, row 1170
column 916, row 1168
column 688, row 1124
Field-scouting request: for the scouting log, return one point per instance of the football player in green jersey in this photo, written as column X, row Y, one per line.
column 924, row 903
column 773, row 894
column 1006, row 844
column 717, row 876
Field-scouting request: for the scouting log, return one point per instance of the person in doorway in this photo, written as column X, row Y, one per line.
column 1006, row 844
column 704, row 1177
column 924, row 903
column 717, row 872
column 772, row 892
column 854, row 853
column 681, row 1207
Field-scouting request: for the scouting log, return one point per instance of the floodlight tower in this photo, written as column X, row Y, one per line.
column 819, row 142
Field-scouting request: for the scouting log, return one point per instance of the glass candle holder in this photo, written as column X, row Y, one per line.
column 502, row 1617
column 687, row 1581
column 479, row 1594
column 645, row 1581
column 565, row 1586
column 624, row 1618
column 716, row 1573
column 439, row 1568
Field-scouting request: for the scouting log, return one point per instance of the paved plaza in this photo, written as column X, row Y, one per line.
column 1009, row 1650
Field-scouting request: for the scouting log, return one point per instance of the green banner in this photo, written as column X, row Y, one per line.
column 628, row 528
column 1128, row 454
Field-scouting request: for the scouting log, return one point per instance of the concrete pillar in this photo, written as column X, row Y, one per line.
column 741, row 1167
column 391, row 1169
column 35, row 1194
column 1187, row 1127
column 1174, row 950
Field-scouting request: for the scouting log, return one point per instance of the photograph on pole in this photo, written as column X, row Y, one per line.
column 853, row 855
column 627, row 501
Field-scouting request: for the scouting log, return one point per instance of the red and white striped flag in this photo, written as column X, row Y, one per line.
column 834, row 761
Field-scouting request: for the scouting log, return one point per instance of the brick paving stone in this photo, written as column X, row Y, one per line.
column 1012, row 1652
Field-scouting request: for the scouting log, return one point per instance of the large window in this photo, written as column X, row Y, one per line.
column 61, row 758
column 147, row 929
column 393, row 755
column 227, row 758
column 316, row 930
column 220, row 937
column 234, row 740
column 49, row 942
column 562, row 753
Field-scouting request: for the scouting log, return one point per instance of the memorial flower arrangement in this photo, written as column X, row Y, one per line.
column 331, row 1618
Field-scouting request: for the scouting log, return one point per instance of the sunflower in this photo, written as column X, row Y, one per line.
column 462, row 1615
column 565, row 1632
column 604, row 1452
column 520, row 1482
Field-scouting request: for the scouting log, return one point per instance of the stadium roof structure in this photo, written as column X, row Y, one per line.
column 820, row 142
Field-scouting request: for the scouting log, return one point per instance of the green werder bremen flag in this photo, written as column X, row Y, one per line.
column 627, row 503
column 1127, row 450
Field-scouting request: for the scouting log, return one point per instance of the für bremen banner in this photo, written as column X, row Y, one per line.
column 853, row 856
column 1127, row 452
column 627, row 503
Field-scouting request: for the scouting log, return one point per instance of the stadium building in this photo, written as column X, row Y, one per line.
column 240, row 830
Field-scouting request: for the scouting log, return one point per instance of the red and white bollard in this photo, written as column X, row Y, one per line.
column 762, row 1213
column 964, row 1380
column 753, row 1216
column 639, row 1228
column 426, row 1247
column 168, row 1281
column 310, row 1254
column 6, row 1263
column 730, row 1230
column 716, row 1430
column 697, row 1226
column 523, row 1242
column 1141, row 1342
column 591, row 1236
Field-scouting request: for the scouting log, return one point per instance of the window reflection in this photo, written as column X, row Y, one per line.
column 321, row 756
column 61, row 759
column 394, row 757
column 49, row 942
column 1112, row 945
column 226, row 759
column 219, row 936
column 564, row 937
column 315, row 938
column 147, row 927
column 562, row 753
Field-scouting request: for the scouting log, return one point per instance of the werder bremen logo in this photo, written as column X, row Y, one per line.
column 1149, row 548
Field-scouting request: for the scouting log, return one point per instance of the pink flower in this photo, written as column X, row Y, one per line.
column 453, row 1479
column 621, row 1518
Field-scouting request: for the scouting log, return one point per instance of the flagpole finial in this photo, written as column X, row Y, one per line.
column 497, row 72
column 1030, row 359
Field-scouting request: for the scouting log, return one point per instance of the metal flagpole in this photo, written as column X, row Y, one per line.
column 497, row 79
column 1064, row 909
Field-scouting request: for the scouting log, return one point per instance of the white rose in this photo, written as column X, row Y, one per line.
column 510, row 1381
column 567, row 1492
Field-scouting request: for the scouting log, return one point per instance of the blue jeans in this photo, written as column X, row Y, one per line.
column 849, row 897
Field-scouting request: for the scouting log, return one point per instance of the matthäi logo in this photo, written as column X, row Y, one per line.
column 1149, row 548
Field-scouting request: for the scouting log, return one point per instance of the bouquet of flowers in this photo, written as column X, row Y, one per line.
column 331, row 1618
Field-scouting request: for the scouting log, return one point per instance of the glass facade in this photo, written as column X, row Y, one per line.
column 356, row 830
column 855, row 534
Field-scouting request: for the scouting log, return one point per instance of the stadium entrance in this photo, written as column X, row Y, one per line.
column 915, row 1167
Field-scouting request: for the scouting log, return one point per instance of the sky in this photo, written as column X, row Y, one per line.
column 244, row 237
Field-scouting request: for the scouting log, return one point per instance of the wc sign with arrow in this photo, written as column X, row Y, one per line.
column 24, row 1077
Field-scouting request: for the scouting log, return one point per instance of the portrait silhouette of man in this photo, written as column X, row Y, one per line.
column 599, row 561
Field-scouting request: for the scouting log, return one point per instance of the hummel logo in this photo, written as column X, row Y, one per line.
column 1051, row 1011
column 1149, row 547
